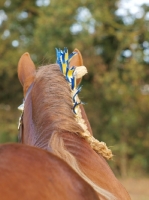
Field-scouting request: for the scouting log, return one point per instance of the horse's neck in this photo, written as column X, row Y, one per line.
column 94, row 165
column 31, row 135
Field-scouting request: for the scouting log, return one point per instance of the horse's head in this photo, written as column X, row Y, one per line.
column 47, row 90
column 27, row 69
column 51, row 103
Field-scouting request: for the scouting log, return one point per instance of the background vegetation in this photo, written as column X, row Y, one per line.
column 115, row 50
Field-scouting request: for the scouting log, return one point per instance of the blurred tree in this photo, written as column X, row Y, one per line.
column 115, row 51
column 16, row 31
column 17, row 22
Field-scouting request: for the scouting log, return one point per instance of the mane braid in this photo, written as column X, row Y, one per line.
column 70, row 74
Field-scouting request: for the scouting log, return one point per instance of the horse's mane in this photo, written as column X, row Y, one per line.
column 54, row 106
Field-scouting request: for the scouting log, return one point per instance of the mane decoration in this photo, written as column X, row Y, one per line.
column 71, row 74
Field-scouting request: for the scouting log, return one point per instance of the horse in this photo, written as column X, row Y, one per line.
column 48, row 122
column 28, row 173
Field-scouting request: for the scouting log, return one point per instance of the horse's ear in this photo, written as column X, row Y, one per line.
column 26, row 71
column 77, row 61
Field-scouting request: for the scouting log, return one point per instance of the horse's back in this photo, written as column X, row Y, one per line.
column 30, row 173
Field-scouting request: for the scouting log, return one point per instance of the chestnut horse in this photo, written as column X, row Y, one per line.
column 29, row 173
column 49, row 123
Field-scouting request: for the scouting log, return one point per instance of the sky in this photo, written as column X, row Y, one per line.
column 131, row 9
column 132, row 6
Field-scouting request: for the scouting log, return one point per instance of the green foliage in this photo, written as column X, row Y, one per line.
column 117, row 86
column 8, row 123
